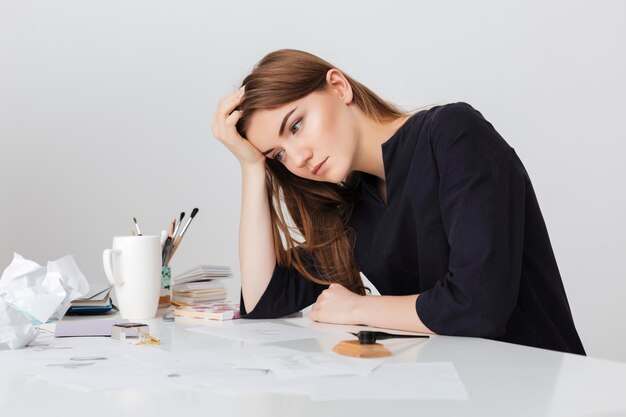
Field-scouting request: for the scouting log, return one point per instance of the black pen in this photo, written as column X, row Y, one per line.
column 368, row 337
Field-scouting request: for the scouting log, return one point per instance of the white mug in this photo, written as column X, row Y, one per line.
column 133, row 266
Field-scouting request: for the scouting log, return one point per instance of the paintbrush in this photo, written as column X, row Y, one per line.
column 179, row 238
column 182, row 216
column 167, row 246
column 137, row 226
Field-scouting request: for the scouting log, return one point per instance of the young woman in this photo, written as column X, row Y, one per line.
column 435, row 208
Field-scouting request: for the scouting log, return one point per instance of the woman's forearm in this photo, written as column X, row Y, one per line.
column 257, row 257
column 389, row 311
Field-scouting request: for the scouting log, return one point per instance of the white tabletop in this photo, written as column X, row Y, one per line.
column 501, row 379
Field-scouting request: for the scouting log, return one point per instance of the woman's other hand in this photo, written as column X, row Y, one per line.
column 336, row 305
column 224, row 129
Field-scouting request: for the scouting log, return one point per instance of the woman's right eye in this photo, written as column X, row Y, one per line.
column 278, row 155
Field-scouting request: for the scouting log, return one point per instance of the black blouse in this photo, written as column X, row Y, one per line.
column 462, row 227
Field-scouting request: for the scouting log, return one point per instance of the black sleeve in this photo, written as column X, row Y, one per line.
column 481, row 196
column 287, row 292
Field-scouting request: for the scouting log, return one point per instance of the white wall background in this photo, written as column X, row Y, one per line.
column 105, row 110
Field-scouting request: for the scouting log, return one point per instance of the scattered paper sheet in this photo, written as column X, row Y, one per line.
column 90, row 363
column 393, row 380
column 210, row 368
column 298, row 365
column 96, row 363
column 389, row 381
column 259, row 332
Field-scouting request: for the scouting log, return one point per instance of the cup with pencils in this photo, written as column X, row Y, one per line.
column 170, row 241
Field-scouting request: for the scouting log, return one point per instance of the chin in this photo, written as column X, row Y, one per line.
column 333, row 178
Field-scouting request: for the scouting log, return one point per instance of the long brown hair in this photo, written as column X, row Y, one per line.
column 320, row 211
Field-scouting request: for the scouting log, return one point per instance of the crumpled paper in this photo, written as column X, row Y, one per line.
column 31, row 294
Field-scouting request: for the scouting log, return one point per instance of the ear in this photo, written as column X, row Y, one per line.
column 338, row 83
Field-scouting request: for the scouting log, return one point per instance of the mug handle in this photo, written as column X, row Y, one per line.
column 107, row 261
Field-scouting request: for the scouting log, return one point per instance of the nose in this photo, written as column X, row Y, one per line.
column 300, row 155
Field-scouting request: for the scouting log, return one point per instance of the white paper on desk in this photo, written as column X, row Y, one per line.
column 394, row 381
column 38, row 293
column 300, row 364
column 90, row 364
column 211, row 368
column 259, row 332
column 218, row 372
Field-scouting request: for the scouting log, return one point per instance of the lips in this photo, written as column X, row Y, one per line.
column 317, row 167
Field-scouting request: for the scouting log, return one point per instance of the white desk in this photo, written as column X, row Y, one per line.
column 501, row 380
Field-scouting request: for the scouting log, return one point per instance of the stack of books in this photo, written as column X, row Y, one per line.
column 97, row 303
column 215, row 310
column 200, row 285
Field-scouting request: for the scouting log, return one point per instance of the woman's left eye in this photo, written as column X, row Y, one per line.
column 296, row 126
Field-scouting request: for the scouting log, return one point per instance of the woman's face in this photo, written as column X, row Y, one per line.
column 314, row 137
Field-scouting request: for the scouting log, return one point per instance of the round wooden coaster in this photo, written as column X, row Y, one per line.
column 354, row 349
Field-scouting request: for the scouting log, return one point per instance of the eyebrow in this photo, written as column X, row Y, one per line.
column 282, row 128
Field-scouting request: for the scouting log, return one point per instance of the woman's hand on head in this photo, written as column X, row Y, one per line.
column 224, row 129
column 335, row 305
